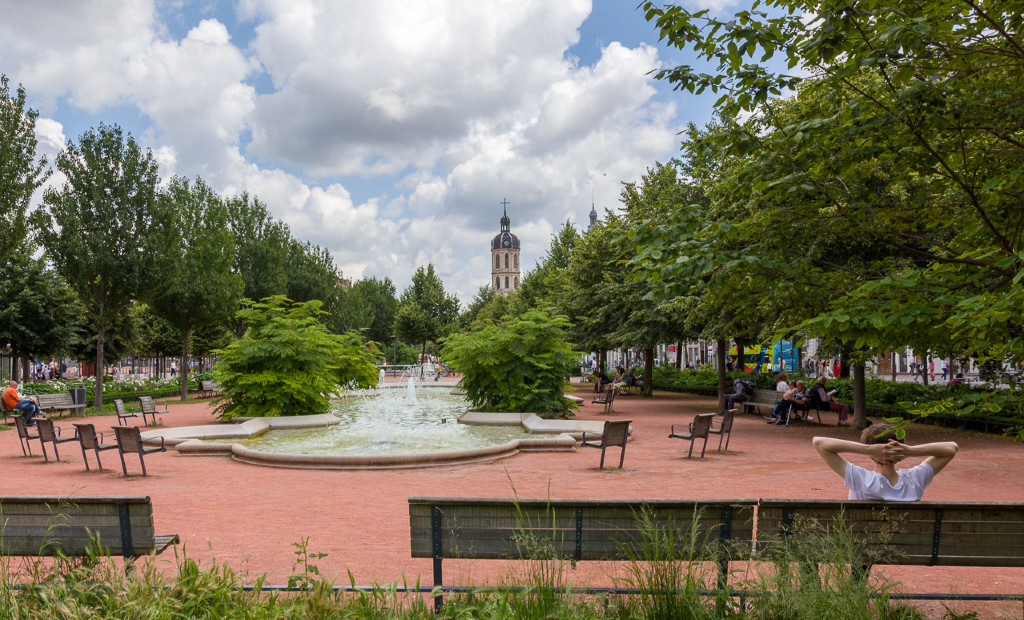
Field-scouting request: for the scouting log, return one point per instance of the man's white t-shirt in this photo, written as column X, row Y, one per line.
column 866, row 484
column 782, row 386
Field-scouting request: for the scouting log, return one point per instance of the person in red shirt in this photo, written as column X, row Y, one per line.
column 13, row 400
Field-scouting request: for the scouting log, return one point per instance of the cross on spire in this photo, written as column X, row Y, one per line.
column 504, row 203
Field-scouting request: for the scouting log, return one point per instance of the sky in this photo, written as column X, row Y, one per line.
column 388, row 132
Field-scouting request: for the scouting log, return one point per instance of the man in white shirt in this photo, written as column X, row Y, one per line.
column 884, row 482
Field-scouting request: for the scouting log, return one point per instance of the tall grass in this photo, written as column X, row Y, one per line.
column 811, row 578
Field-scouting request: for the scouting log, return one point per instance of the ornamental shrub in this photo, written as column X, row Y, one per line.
column 520, row 364
column 288, row 363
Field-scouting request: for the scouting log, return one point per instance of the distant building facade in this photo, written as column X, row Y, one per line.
column 505, row 257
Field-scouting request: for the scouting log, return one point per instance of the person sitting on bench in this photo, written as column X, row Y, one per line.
column 13, row 400
column 601, row 380
column 796, row 395
column 884, row 482
column 739, row 394
column 827, row 400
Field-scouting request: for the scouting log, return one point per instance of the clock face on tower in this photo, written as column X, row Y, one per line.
column 506, row 242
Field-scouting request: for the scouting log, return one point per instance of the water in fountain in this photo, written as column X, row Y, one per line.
column 385, row 424
column 383, row 374
column 410, row 394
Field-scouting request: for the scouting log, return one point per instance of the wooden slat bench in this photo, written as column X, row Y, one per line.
column 208, row 388
column 48, row 526
column 59, row 402
column 576, row 530
column 905, row 533
column 761, row 399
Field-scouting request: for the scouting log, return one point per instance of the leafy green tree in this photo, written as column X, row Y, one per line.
column 425, row 310
column 287, row 363
column 38, row 315
column 518, row 365
column 199, row 288
column 261, row 247
column 154, row 336
column 101, row 228
column 542, row 287
column 20, row 173
column 368, row 303
column 922, row 91
column 311, row 273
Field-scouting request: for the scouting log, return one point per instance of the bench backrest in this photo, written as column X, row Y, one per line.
column 147, row 405
column 87, row 435
column 615, row 432
column 56, row 401
column 702, row 425
column 34, row 525
column 587, row 529
column 119, row 408
column 129, row 438
column 19, row 423
column 727, row 419
column 906, row 533
column 46, row 430
column 767, row 396
column 209, row 386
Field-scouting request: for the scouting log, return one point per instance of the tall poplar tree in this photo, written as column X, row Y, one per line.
column 100, row 228
column 425, row 310
column 20, row 173
column 199, row 288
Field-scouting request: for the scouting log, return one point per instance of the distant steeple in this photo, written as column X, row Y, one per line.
column 593, row 216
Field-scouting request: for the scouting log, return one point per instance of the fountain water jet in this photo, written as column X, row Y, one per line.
column 410, row 394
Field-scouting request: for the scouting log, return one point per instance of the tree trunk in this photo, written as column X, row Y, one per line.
column 649, row 371
column 97, row 400
column 26, row 369
column 679, row 356
column 722, row 348
column 893, row 364
column 844, row 364
column 740, row 355
column 799, row 370
column 186, row 334
column 926, row 369
column 15, row 369
column 860, row 412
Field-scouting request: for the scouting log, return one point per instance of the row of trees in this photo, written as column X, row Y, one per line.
column 129, row 265
column 879, row 204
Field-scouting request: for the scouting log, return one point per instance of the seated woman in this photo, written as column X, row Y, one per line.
column 620, row 380
column 795, row 396
column 782, row 382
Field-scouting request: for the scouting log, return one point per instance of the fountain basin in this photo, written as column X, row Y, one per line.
column 243, row 442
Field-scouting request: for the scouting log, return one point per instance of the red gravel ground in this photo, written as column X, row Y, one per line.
column 250, row 516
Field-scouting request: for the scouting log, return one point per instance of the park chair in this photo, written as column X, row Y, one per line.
column 123, row 414
column 724, row 429
column 615, row 433
column 699, row 428
column 89, row 440
column 23, row 435
column 48, row 433
column 148, row 407
column 5, row 411
column 129, row 440
column 607, row 398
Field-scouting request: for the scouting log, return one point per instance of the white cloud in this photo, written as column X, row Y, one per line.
column 452, row 105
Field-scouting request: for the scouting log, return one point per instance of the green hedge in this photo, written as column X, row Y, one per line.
column 907, row 399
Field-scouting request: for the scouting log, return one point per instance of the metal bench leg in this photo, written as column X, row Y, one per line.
column 704, row 447
column 622, row 457
column 601, row 466
column 143, row 461
column 85, row 458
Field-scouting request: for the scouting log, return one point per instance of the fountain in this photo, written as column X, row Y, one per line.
column 383, row 429
column 410, row 393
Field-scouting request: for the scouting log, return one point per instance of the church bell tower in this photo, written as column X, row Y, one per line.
column 505, row 257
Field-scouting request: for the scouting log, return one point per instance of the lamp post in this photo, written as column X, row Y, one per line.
column 394, row 349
